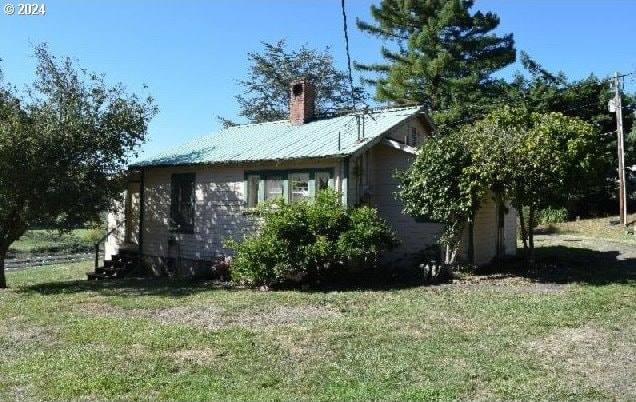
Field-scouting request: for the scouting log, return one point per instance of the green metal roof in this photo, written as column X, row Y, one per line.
column 280, row 140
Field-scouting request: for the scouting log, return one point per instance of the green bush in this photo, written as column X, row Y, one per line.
column 552, row 215
column 304, row 240
column 547, row 216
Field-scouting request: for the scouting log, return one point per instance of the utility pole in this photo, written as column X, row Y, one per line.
column 622, row 190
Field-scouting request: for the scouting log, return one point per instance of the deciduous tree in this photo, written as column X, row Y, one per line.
column 532, row 159
column 63, row 147
column 265, row 92
column 442, row 186
column 542, row 91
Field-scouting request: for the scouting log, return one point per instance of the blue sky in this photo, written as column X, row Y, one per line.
column 191, row 52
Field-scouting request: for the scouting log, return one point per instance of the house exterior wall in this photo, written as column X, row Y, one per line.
column 220, row 206
column 116, row 224
column 414, row 236
column 132, row 213
column 485, row 233
column 510, row 231
column 218, row 203
column 219, row 212
column 403, row 133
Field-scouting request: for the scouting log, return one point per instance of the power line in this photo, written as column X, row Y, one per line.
column 346, row 35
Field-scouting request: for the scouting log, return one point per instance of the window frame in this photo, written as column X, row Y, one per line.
column 176, row 222
column 329, row 180
column 267, row 187
column 250, row 200
column 413, row 138
column 286, row 177
column 290, row 178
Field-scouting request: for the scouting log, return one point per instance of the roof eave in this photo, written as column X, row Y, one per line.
column 379, row 138
column 236, row 162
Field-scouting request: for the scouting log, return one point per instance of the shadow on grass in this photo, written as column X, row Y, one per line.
column 376, row 279
column 372, row 280
column 130, row 287
column 560, row 264
column 555, row 264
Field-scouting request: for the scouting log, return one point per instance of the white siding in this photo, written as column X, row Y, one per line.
column 485, row 233
column 510, row 231
column 115, row 220
column 383, row 164
column 402, row 132
column 218, row 212
column 219, row 208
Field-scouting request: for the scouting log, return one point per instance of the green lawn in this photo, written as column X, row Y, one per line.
column 598, row 228
column 496, row 337
column 41, row 240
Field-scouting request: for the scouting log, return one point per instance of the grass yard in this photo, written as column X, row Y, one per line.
column 597, row 228
column 503, row 337
column 41, row 240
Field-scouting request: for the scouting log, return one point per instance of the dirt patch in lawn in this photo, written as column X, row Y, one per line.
column 201, row 357
column 16, row 332
column 508, row 282
column 604, row 359
column 216, row 318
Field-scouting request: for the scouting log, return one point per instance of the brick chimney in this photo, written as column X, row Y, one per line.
column 302, row 98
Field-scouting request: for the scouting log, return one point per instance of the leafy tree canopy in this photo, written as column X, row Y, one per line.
column 533, row 159
column 441, row 186
column 586, row 99
column 265, row 92
column 442, row 56
column 63, row 147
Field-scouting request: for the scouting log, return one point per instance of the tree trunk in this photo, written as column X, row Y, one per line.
column 531, row 214
column 471, row 239
column 524, row 233
column 447, row 256
column 3, row 279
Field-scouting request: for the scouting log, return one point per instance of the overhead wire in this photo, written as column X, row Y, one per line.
column 346, row 36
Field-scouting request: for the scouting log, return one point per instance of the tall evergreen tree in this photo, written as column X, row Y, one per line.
column 439, row 54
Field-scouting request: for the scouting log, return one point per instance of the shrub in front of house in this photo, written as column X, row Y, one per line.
column 303, row 241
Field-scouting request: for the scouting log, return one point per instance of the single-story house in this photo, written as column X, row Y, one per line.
column 181, row 205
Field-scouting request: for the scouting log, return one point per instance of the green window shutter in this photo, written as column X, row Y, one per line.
column 182, row 202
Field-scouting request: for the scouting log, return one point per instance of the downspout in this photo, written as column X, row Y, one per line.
column 141, row 215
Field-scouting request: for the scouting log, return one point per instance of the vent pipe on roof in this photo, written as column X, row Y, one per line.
column 360, row 126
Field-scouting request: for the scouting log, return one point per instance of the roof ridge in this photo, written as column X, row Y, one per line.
column 347, row 113
column 253, row 124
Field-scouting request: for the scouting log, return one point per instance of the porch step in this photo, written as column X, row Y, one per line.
column 125, row 262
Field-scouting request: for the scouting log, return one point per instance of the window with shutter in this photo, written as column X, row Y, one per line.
column 182, row 203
